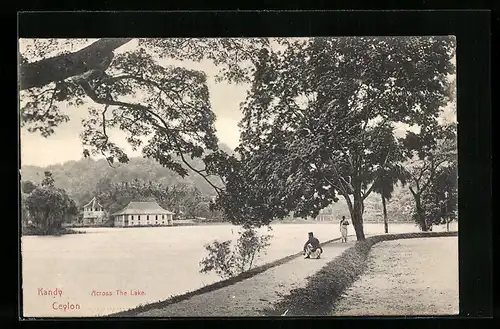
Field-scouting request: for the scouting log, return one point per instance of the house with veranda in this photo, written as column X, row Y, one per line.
column 143, row 214
column 93, row 213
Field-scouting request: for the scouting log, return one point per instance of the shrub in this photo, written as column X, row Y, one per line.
column 227, row 261
column 220, row 259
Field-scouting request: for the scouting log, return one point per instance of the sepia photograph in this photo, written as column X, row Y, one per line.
column 229, row 177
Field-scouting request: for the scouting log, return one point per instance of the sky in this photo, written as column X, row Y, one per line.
column 65, row 144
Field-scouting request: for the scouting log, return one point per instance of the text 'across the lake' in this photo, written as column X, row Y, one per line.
column 119, row 292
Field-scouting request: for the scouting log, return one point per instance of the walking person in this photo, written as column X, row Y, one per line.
column 343, row 228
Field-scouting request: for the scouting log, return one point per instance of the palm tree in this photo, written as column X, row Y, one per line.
column 388, row 178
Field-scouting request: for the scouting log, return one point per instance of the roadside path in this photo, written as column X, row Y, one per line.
column 250, row 296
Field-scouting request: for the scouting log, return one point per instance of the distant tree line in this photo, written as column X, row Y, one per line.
column 179, row 198
column 82, row 178
column 45, row 207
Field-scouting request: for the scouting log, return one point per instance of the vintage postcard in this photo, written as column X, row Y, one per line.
column 200, row 177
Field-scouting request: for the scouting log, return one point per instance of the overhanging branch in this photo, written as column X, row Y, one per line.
column 98, row 55
column 107, row 101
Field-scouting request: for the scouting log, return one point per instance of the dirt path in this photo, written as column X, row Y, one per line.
column 250, row 296
column 406, row 277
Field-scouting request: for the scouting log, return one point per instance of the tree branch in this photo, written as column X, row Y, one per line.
column 147, row 82
column 422, row 171
column 106, row 135
column 434, row 169
column 339, row 188
column 58, row 68
column 91, row 93
column 367, row 193
column 347, row 187
column 179, row 151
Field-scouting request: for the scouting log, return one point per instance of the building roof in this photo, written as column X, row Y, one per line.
column 143, row 208
column 93, row 203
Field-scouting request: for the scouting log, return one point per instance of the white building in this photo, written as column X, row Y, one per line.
column 143, row 214
column 93, row 213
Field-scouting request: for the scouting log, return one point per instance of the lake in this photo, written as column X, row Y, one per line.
column 149, row 264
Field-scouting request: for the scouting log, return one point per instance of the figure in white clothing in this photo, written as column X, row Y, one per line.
column 343, row 228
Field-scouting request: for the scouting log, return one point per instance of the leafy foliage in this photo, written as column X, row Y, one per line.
column 170, row 118
column 228, row 262
column 27, row 186
column 440, row 200
column 220, row 259
column 49, row 207
column 115, row 196
column 48, row 180
column 25, row 216
column 390, row 175
column 84, row 178
column 321, row 115
column 430, row 155
column 318, row 121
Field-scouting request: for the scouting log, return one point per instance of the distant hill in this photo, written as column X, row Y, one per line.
column 80, row 178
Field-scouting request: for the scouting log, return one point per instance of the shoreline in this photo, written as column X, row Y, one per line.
column 236, row 297
column 227, row 223
column 64, row 231
column 212, row 287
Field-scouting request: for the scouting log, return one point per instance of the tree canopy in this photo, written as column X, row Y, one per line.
column 28, row 187
column 165, row 110
column 430, row 155
column 440, row 200
column 115, row 196
column 319, row 121
column 48, row 207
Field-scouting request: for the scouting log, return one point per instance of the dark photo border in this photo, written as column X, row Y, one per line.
column 472, row 30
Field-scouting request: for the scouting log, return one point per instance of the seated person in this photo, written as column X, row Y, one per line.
column 312, row 247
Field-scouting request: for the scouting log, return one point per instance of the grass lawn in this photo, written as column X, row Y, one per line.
column 406, row 277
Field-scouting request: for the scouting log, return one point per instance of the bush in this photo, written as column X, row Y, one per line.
column 108, row 222
column 228, row 262
column 49, row 208
column 327, row 285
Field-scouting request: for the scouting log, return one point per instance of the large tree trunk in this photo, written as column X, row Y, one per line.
column 357, row 217
column 420, row 213
column 95, row 56
column 386, row 225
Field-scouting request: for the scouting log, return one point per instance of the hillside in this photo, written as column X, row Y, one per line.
column 80, row 178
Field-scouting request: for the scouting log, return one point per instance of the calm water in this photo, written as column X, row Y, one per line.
column 160, row 261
